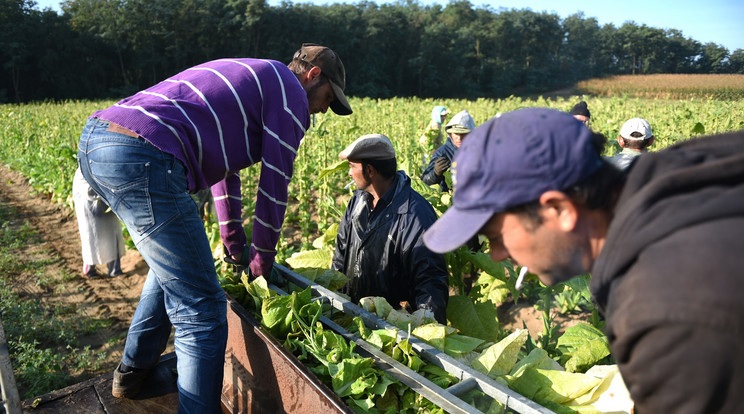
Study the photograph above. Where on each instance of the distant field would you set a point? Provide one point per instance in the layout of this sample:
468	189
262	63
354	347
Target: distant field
724	87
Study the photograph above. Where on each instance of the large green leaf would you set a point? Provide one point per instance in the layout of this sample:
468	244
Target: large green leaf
537	358
339	166
582	346
351	376
473	319
455	344
328	278
499	359
327	237
434	334
490	289
559	387
311	258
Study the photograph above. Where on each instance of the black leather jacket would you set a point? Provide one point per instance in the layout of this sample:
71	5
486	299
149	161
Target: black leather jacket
383	254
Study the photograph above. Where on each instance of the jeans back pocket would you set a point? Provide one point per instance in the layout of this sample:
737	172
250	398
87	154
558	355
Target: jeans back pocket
127	185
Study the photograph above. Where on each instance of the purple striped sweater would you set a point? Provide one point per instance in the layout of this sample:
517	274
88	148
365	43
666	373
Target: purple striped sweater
218	118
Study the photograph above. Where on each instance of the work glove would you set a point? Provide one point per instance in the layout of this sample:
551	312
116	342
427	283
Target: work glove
243	265
441	165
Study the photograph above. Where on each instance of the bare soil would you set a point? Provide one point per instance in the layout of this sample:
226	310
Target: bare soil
101	298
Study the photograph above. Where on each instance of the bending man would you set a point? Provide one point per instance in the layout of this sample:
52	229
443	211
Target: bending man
196	130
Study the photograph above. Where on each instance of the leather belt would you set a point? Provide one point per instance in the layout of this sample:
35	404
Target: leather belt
121	130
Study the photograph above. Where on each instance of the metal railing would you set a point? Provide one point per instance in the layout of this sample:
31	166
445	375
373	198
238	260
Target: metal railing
448	399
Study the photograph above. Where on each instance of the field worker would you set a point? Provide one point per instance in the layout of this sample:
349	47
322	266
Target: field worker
432	137
145	155
581	112
663	244
101	236
635	138
379	245
456	129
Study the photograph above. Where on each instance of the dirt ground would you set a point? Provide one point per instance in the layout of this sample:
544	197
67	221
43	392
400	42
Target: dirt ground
115	298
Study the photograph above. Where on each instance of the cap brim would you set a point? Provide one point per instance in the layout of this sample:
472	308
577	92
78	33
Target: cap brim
340	106
458	130
454	229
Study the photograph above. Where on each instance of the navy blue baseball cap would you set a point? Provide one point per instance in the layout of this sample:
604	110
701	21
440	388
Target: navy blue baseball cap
512	159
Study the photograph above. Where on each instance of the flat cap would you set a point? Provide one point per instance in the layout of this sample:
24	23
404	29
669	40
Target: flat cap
369	147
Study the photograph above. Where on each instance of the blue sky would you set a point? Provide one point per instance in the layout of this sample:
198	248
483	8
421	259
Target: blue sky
717	21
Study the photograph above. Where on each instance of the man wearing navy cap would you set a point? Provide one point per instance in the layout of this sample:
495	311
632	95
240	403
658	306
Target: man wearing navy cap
662	241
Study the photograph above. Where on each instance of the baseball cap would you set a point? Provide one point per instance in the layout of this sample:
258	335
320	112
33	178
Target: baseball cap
511	160
332	67
639	125
369	147
461	123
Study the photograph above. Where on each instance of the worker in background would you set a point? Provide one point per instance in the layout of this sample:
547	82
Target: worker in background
379	245
456	129
635	138
432	137
198	129
101	236
662	241
581	112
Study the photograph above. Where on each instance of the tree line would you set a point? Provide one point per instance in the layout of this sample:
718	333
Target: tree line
112	48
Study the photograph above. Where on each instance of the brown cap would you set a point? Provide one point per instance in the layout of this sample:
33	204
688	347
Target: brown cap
369	147
332	67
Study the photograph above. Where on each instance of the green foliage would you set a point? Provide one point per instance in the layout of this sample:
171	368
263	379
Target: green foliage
39	140
582	346
42	338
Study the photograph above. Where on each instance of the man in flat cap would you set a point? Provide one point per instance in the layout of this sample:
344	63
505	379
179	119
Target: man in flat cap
662	239
196	130
379	244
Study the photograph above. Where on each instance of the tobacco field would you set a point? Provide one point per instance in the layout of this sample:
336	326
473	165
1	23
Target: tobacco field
562	369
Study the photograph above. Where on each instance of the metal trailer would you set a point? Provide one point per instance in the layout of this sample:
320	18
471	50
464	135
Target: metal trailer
262	376
11	401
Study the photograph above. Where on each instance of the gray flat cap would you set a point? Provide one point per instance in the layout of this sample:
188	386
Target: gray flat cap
369	147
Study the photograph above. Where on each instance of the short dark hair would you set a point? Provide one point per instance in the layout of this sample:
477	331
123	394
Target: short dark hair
599	191
637	144
299	67
386	168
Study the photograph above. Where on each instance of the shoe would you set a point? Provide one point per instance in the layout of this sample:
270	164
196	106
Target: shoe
128	384
89	270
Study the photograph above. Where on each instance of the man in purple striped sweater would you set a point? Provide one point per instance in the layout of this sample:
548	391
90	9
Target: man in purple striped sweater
145	155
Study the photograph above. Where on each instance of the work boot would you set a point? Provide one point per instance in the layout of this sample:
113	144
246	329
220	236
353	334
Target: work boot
89	270
128	384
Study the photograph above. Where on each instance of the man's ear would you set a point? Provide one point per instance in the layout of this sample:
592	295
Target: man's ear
312	74
370	170
559	209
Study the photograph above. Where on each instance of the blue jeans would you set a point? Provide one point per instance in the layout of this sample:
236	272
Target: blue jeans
147	189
